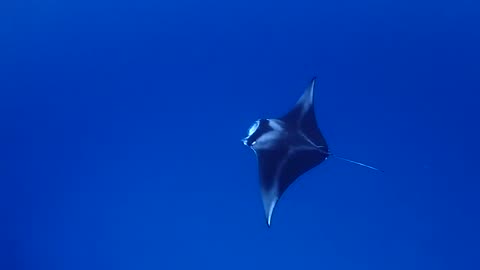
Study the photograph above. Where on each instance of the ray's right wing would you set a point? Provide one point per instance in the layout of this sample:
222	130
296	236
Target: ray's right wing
302	117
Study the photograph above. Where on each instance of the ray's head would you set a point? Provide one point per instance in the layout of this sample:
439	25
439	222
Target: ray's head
256	130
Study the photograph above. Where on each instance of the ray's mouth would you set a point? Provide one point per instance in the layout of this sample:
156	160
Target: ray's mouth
248	142
245	141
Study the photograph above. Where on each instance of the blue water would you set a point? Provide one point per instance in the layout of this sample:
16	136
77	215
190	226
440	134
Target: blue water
120	128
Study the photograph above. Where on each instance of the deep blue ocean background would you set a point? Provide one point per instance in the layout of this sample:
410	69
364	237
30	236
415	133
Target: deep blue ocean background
120	128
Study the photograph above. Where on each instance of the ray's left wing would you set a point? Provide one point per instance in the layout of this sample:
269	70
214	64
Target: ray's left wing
279	168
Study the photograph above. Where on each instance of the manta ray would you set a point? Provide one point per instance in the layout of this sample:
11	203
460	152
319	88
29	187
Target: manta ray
287	147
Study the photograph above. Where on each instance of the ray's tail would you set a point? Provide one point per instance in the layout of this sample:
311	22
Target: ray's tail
349	160
355	162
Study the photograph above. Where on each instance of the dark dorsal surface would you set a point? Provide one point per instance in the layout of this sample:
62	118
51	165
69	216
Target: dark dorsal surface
301	148
288	147
302	117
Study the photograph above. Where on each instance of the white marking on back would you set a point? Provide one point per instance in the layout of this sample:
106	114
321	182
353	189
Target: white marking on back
269	139
309	140
276	124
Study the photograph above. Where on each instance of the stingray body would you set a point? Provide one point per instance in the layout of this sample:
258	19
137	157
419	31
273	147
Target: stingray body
286	148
